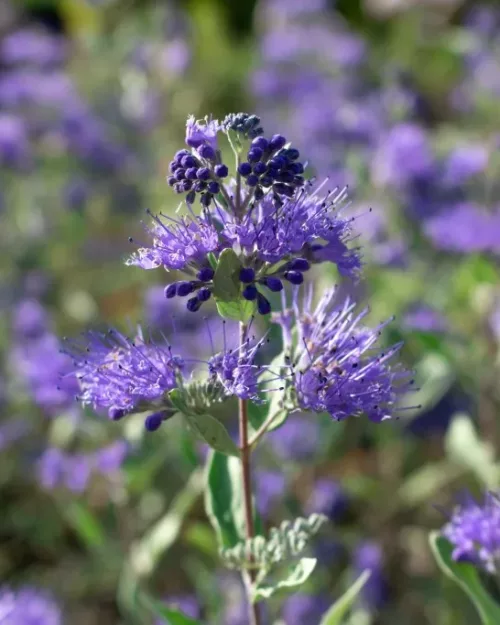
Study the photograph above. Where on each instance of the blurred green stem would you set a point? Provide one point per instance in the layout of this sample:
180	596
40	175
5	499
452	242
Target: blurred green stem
245	452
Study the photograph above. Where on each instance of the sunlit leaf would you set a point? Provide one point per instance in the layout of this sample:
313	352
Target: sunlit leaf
339	609
213	433
295	576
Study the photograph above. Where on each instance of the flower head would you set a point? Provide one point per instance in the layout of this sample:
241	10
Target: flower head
332	362
474	531
199	133
28	606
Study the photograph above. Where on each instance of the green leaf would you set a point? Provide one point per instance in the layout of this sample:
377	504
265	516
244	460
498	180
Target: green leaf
212	260
178	401
171	615
86	524
467	450
146	553
227	286
213	433
338	610
239	309
257	414
467	577
296	575
224	498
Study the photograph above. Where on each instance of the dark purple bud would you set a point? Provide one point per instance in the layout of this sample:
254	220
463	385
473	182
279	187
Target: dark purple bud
259	168
273	284
186	185
252	180
213	187
277	142
295	277
171	180
205	274
200	186
221	171
193	304
190	197
266	181
247	274
153	421
254	155
283	189
259	193
296	168
180	154
299	264
260	142
178	187
180	174
170	290
191	173
245	169
292	154
189	161
263	305
206	199
115	414
204	294
206	151
185	288
285	176
250	292
203	173
278	162
173	166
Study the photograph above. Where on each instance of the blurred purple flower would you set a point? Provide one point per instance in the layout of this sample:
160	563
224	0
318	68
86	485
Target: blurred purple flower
29	320
474	531
464	163
269	488
32	46
368	556
301	608
424	319
187	604
465	228
328	498
14	143
297	439
28	606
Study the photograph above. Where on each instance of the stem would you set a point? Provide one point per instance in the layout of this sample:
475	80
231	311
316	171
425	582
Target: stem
245	451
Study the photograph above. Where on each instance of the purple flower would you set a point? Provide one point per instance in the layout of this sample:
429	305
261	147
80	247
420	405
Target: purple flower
123	375
328	498
187	604
405	155
270	488
368	556
424	319
465	228
57	468
298	439
301	608
464	163
474	531
178	243
31	46
335	366
29	320
14	143
199	133
28	606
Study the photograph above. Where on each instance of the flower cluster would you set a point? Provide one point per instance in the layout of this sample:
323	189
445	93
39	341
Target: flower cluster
332	364
277	229
124	375
474	531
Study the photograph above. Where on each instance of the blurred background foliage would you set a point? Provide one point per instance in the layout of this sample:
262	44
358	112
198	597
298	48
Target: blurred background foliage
399	100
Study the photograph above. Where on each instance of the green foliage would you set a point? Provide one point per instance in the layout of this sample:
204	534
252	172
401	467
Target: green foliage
171	615
337	612
227	289
210	430
467	577
224	498
293	577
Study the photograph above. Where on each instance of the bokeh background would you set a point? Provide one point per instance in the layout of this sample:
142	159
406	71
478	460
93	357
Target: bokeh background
399	100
